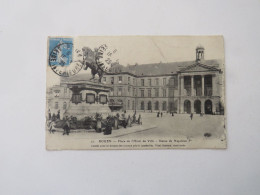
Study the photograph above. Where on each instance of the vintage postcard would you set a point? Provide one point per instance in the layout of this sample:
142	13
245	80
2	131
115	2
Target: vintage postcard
135	92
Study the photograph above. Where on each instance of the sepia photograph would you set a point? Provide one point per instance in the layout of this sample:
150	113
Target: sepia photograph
135	92
130	97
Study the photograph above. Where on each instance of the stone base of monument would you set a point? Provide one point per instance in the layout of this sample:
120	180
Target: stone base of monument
88	98
83	110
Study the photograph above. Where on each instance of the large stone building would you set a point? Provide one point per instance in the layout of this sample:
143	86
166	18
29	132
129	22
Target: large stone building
180	87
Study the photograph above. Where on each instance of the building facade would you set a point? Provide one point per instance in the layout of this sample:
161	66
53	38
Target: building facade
180	87
58	99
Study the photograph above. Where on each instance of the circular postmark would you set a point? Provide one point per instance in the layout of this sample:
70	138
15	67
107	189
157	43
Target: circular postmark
60	60
105	57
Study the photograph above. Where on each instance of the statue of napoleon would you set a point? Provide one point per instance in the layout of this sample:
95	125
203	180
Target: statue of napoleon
90	61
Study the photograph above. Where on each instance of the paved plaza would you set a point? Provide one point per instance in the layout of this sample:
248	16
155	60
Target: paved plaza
181	125
167	126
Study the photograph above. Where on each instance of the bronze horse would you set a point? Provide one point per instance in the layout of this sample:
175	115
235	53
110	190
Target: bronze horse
95	69
89	61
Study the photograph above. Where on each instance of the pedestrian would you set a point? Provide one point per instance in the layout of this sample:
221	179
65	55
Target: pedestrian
124	122
53	118
134	118
66	127
118	115
129	121
191	116
172	114
158	114
51	127
116	121
108	129
49	112
99	125
161	114
58	115
140	120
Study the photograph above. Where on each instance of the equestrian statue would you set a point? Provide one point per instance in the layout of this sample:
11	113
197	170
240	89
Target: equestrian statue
90	61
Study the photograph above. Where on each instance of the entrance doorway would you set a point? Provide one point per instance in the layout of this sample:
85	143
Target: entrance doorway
197	107
149	106
208	107
186	106
156	105
142	105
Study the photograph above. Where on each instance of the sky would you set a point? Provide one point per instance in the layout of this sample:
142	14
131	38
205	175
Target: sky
148	49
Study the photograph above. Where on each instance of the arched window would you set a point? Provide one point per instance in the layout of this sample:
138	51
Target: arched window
156	105
208	107
164	105
187	108
149	106
142	105
197	106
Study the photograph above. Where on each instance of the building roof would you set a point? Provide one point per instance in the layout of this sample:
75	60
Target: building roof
154	69
159	68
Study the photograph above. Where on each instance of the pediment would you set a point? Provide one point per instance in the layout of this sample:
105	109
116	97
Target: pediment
198	68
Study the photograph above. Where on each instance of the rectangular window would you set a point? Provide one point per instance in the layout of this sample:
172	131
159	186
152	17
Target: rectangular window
129	90
103	99
142	82
112	80
119	92
149	93
56	105
150	82
164	92
164	81
156	92
112	92
134	92
128	104
171	92
157	81
64	105
76	98
120	79
142	93
171	82
128	80
90	98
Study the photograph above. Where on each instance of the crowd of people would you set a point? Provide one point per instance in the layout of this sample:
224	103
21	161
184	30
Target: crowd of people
101	124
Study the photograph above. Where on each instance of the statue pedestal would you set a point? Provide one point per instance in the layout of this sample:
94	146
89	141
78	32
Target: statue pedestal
88	98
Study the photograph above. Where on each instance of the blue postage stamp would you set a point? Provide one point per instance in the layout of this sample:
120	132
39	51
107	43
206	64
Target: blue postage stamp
60	51
61	57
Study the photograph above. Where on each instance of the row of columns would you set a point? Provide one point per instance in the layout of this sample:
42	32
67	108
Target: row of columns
192	85
192	106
